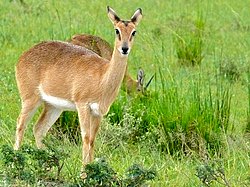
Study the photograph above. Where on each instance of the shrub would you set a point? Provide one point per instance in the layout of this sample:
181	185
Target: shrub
14	163
136	176
42	167
135	115
100	174
32	164
212	172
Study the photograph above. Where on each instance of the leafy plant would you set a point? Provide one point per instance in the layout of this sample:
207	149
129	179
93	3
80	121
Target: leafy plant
31	164
99	173
134	114
136	176
15	165
46	159
211	172
34	166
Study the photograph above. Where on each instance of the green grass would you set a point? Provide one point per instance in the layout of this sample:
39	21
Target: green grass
193	115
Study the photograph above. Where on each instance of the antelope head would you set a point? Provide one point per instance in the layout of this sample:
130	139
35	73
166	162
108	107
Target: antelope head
124	30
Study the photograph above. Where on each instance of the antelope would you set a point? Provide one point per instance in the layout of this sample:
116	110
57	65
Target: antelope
103	49
64	76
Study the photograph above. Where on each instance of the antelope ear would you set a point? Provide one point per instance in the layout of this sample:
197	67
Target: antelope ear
112	15
136	18
140	77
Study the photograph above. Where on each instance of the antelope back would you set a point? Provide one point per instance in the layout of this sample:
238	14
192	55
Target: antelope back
94	43
62	68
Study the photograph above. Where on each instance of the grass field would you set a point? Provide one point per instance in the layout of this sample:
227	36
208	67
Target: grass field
197	111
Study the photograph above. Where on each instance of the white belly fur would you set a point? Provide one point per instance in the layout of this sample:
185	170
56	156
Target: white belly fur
56	101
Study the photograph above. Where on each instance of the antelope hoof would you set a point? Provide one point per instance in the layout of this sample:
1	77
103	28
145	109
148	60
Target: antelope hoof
83	175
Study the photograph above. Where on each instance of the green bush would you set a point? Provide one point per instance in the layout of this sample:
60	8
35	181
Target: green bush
136	176
33	166
14	163
100	174
212	172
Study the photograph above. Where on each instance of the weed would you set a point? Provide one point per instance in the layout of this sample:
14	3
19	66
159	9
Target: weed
211	172
47	159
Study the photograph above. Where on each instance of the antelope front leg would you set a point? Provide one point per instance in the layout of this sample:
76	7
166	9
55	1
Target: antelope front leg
94	126
89	125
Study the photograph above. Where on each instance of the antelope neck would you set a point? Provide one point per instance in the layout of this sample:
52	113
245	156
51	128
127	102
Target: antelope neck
115	73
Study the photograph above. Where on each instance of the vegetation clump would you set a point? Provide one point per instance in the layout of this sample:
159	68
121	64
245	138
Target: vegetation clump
212	172
43	167
189	43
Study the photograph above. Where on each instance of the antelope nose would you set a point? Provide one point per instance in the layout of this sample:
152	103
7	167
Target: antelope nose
125	50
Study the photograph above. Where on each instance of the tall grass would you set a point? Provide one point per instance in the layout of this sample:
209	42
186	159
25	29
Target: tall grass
179	121
189	42
248	112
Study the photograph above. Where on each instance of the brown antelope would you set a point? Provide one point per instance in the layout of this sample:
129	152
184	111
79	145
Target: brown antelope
103	49
64	76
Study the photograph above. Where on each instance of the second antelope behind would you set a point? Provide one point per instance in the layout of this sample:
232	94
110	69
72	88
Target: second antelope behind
64	76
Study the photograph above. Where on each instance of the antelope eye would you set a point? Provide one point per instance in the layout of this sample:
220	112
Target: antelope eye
117	31
133	33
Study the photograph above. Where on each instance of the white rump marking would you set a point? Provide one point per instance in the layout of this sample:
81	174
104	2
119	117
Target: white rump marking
56	101
94	107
